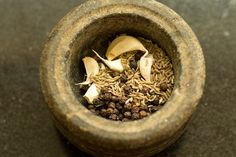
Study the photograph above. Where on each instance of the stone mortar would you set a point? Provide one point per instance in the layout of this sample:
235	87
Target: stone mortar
92	25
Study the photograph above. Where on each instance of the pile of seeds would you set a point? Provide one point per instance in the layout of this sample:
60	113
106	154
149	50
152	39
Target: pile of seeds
126	96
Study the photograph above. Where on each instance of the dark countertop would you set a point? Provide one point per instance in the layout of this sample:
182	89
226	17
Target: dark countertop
26	127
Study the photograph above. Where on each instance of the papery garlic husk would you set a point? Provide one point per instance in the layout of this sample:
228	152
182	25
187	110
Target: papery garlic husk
91	67
145	66
92	93
123	44
115	65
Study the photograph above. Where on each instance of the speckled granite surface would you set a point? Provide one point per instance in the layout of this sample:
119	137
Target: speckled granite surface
26	127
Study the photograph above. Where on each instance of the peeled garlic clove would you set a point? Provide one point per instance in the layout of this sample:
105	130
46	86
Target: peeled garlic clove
115	65
123	44
91	67
92	93
145	66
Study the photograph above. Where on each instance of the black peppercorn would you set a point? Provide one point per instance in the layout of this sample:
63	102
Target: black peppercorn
122	100
112	105
127	89
143	107
133	64
106	102
135	109
110	111
128	106
145	90
119	106
127	114
107	96
163	87
135	116
114	99
103	91
156	101
123	78
153	109
120	116
143	114
116	111
113	117
98	103
150	108
103	112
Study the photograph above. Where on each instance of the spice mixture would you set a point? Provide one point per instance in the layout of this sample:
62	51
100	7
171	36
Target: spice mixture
127	95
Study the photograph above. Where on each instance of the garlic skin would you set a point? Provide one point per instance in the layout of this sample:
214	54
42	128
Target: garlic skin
115	65
91	67
145	66
123	44
92	93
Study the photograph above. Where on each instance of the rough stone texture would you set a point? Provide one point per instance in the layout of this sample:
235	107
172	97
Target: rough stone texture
94	23
26	127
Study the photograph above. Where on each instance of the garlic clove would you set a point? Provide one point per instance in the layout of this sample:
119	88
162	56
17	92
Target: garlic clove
92	93
123	44
145	66
115	65
91	67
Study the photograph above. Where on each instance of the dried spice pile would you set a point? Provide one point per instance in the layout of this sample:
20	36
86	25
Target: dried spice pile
126	95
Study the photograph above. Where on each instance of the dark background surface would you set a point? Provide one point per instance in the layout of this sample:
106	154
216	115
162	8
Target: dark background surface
26	127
